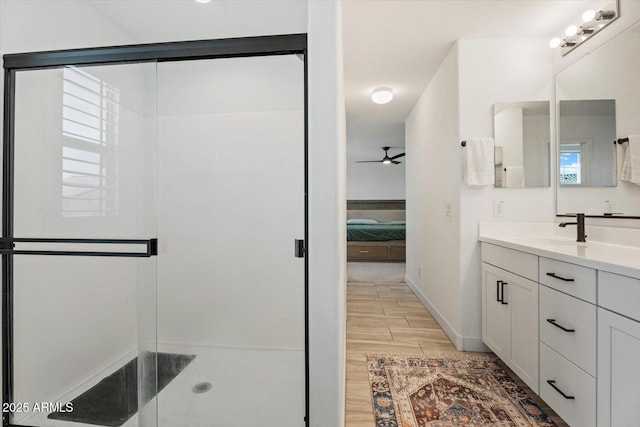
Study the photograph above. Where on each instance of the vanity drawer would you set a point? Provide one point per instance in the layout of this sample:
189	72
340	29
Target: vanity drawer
573	382
368	252
520	263
620	294
569	278
558	311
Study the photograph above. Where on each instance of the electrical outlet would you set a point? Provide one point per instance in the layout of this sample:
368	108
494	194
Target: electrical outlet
498	208
448	210
608	208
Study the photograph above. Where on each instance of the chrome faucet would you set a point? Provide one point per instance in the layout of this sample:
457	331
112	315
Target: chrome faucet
581	237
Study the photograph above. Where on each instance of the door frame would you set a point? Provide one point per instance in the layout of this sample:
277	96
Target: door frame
286	44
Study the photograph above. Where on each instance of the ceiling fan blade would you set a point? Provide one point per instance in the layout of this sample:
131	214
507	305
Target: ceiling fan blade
369	161
397	156
395	162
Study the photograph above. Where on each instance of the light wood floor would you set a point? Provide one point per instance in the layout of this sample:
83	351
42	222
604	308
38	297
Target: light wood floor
389	318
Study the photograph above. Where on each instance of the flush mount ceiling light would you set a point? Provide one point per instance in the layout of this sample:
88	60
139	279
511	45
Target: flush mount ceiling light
382	95
202	1
593	20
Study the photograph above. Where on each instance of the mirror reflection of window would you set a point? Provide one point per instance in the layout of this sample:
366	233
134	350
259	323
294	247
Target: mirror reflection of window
587	129
90	122
570	164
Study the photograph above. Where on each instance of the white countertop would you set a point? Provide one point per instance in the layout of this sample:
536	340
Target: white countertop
542	239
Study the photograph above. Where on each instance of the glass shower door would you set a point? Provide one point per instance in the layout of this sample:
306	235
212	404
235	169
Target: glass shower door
230	206
83	278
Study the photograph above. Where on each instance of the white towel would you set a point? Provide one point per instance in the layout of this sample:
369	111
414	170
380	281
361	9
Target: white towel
631	164
478	169
514	176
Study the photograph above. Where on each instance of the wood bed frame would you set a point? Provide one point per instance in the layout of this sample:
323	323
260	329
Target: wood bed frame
382	211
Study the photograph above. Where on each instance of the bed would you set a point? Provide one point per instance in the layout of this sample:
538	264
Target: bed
376	231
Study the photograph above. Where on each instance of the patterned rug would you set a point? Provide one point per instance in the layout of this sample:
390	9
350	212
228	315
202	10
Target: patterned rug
448	389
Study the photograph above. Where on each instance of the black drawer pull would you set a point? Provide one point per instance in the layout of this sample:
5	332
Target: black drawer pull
555	276
553	322
498	290
552	383
502	288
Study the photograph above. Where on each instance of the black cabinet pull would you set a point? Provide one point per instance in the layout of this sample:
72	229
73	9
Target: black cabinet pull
555	276
502	286
552	383
553	322
498	290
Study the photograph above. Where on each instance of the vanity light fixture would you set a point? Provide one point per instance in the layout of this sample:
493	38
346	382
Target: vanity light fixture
593	20
382	95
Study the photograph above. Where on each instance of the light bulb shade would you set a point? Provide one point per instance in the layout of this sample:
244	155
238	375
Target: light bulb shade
386	161
555	42
382	95
571	31
589	15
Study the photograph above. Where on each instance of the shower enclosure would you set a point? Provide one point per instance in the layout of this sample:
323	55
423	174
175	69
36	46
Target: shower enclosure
154	225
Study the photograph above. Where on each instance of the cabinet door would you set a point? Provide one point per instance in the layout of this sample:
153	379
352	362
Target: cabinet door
495	314
618	370
523	319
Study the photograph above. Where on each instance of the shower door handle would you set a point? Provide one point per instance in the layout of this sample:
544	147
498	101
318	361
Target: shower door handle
299	248
141	248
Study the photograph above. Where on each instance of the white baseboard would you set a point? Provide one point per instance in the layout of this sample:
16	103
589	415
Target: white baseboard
455	337
474	344
461	342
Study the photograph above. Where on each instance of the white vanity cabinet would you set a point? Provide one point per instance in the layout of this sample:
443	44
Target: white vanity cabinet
510	310
618	350
577	319
568	340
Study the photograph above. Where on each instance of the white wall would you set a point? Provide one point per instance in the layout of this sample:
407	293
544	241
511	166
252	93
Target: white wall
458	104
327	216
495	70
537	149
374	181
508	133
433	185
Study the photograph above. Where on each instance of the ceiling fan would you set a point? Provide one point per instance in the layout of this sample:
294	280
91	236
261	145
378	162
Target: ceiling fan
386	159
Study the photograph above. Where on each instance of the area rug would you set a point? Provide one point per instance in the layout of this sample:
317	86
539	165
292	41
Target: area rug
448	389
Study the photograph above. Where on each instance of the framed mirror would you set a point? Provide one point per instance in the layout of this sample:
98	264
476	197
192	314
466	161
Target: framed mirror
522	132
597	105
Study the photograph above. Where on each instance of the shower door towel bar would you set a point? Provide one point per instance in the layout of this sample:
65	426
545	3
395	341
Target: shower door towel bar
7	246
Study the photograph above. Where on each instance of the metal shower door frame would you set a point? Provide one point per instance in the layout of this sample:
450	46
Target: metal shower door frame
286	44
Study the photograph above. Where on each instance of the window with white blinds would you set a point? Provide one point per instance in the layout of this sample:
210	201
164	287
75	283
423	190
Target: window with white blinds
90	123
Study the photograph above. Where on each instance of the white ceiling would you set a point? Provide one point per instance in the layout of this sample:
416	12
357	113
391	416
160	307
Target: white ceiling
401	43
